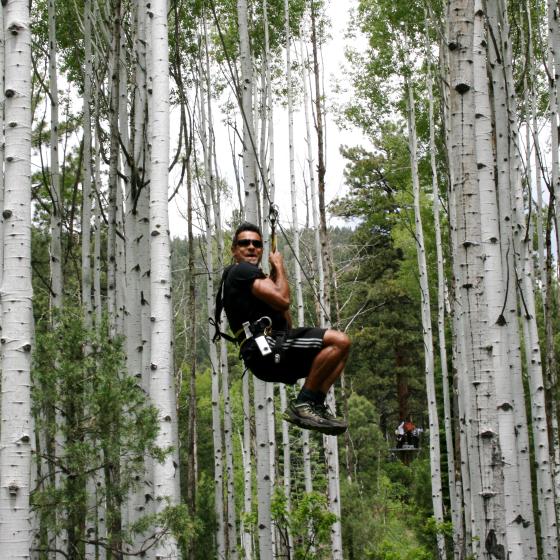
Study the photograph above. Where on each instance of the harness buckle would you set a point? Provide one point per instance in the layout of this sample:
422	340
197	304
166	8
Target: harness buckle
260	339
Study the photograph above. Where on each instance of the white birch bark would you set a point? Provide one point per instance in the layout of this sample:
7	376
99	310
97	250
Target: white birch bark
56	211
2	147
87	171
97	305
485	473
217	436
533	128
252	215
553	59
246	86
162	390
87	199
495	282
55	247
246	536
132	316
321	276
435	466
16	430
460	389
330	442
454	496
519	246
512	230
264	524
124	171
113	175
232	540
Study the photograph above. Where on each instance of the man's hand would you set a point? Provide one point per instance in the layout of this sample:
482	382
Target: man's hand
276	261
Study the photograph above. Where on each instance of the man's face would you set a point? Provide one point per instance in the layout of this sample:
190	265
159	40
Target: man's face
245	248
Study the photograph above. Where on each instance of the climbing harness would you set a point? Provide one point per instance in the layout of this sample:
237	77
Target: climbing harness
256	331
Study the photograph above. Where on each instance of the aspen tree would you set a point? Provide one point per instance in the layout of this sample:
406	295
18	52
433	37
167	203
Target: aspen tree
2	151
54	174
435	466
454	495
113	172
267	192
330	442
246	536
132	169
231	531
532	131
162	390
519	246
297	267
553	61
208	186
494	286
488	528
246	104
55	249
460	387
251	214
87	170
317	239
87	199
16	430
97	306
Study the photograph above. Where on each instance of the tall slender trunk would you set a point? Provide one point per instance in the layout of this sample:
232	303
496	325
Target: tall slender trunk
454	496
321	276
321	167
553	60
162	390
55	192
87	171
16	290
330	443
512	219
113	173
478	403
533	127
435	466
217	436
252	213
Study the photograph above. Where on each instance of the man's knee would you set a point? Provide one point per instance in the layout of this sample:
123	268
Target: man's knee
339	339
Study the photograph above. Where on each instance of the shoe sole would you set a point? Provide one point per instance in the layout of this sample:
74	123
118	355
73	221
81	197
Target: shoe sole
327	430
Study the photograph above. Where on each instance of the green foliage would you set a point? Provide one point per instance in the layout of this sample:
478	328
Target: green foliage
309	522
99	429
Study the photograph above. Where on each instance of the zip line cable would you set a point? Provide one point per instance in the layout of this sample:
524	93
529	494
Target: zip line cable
273	209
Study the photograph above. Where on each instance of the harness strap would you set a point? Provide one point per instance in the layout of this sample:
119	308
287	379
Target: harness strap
219	307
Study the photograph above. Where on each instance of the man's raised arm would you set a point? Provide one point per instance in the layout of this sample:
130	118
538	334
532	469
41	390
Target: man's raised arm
275	289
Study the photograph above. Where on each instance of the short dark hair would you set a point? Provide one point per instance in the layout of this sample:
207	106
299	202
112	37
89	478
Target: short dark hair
245	226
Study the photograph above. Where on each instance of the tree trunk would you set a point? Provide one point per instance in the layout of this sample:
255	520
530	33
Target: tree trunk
486	476
209	185
454	496
55	193
16	291
162	390
246	103
435	466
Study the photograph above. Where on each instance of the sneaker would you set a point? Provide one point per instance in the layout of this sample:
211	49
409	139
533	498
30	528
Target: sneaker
339	426
307	416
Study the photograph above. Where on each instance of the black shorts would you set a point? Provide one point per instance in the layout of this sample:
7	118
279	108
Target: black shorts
297	352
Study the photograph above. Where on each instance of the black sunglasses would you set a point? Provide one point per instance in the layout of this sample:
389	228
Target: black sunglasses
246	242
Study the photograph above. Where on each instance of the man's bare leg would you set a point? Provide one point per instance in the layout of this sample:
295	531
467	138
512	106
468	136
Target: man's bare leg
307	411
329	362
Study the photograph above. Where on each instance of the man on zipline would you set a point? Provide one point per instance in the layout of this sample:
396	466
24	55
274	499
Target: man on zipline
258	310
